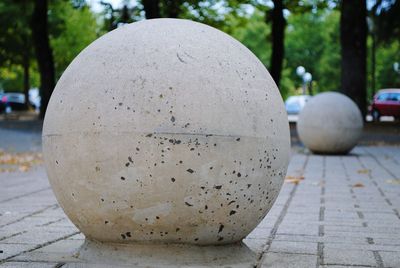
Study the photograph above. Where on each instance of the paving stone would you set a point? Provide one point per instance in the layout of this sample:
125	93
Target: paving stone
259	233
272	259
362	246
352	226
344	266
35	237
390	259
28	265
335	256
257	245
294	247
301	229
9	250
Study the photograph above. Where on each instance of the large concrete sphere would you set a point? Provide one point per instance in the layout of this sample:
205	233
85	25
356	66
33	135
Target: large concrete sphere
330	123
166	131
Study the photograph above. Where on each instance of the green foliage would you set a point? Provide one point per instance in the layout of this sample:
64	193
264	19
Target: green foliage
386	55
311	40
15	43
11	78
77	28
328	69
72	28
254	35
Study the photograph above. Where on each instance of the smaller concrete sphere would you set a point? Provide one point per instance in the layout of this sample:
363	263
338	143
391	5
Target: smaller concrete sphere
330	123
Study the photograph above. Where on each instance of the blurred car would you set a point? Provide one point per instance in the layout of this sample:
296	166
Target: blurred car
294	104
386	102
3	100
16	101
13	101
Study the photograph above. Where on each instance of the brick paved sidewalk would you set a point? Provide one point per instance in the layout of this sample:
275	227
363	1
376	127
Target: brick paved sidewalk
344	213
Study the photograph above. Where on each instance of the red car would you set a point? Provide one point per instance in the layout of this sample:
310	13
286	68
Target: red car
386	103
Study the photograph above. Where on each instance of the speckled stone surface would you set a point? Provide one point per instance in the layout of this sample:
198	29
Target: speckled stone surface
166	131
330	123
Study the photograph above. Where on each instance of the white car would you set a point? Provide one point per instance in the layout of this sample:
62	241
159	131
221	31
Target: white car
16	101
294	104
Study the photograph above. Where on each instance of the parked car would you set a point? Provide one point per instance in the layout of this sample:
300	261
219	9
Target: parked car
13	101
3	100
294	104
16	101
386	102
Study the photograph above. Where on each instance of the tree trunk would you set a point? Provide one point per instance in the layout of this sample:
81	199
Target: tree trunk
278	35
353	39
373	64
152	8
43	51
26	79
173	8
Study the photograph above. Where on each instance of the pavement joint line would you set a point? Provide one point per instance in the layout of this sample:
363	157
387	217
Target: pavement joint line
377	256
27	216
388	201
292	253
50	222
24	195
302	235
321	227
379	163
276	225
39	246
320	254
28	261
9	236
282	214
321	213
349	265
353	196
339	243
378	259
376	184
397	213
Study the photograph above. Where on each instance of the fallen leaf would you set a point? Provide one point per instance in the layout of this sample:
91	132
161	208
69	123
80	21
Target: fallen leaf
363	171
11	162
7	170
359	184
24	168
294	179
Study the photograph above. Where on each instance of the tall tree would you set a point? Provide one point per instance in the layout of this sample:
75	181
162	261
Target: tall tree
43	51
15	41
278	40
172	8
353	40
387	20
71	29
151	9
